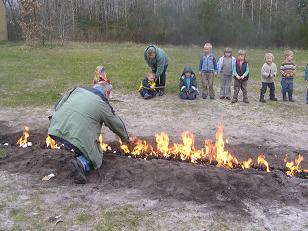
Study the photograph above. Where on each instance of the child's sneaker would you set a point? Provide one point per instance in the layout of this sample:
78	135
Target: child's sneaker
245	101
234	100
273	99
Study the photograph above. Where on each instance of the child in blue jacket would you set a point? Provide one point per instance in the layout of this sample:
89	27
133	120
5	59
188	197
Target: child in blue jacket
188	84
208	71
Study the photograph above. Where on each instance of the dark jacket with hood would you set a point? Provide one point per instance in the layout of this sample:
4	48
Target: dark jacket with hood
192	84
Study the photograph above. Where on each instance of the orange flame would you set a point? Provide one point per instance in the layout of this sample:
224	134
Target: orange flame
23	140
102	145
162	141
124	147
223	157
261	160
51	143
186	150
294	166
247	163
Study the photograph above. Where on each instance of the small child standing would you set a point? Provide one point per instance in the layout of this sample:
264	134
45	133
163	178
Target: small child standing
225	65
188	84
241	76
306	78
288	71
268	73
148	87
208	70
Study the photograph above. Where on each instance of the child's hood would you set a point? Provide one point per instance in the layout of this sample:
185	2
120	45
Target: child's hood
188	69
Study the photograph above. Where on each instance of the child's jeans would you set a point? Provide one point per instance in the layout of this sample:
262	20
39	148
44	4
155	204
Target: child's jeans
287	87
144	91
190	95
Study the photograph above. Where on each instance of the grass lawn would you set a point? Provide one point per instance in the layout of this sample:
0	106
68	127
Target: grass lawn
38	76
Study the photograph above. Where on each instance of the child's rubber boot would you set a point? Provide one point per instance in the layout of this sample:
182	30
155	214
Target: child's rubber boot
290	97
262	100
284	96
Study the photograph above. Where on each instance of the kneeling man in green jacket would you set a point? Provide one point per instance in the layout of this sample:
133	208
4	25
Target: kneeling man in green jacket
77	124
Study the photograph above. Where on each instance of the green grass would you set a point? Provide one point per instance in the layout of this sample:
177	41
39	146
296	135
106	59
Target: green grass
38	76
3	153
124	218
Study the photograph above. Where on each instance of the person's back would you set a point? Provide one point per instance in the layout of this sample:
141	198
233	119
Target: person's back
78	119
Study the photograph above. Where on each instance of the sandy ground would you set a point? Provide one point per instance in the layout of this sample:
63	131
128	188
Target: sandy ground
131	194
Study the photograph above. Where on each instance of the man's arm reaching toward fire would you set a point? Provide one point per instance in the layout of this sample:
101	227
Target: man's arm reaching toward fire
115	124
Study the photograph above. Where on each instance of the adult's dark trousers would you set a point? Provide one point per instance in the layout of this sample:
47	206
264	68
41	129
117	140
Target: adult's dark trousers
161	80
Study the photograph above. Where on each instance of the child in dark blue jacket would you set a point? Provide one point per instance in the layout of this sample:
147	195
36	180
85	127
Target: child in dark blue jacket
148	87
306	78
188	84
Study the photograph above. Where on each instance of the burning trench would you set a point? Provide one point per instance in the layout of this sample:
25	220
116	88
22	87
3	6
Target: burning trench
213	153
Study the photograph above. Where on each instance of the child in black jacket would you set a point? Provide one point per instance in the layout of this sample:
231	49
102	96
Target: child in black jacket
148	87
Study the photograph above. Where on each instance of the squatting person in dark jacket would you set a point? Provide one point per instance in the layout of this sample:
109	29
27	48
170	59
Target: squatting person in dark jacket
78	120
157	60
188	84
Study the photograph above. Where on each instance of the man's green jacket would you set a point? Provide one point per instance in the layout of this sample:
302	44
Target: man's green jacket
78	119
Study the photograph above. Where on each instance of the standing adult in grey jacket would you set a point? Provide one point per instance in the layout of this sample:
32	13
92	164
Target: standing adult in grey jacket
158	61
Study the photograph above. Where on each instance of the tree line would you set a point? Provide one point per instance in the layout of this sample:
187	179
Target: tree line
223	22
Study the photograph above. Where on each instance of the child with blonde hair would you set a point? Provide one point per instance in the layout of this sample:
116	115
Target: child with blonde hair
100	75
225	65
241	76
148	87
288	71
208	70
268	73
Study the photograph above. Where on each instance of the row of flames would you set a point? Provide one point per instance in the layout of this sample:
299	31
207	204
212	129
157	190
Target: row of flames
212	152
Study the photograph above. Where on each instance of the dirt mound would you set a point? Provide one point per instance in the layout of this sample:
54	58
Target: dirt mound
219	187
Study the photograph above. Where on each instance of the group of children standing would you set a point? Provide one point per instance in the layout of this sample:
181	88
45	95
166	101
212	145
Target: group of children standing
228	68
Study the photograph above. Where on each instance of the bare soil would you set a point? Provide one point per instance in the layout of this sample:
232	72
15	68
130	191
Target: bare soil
137	194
